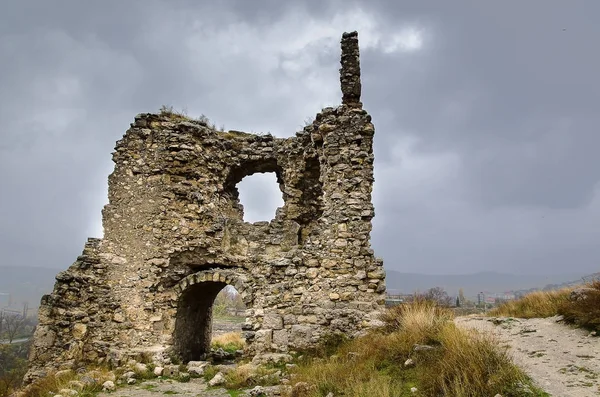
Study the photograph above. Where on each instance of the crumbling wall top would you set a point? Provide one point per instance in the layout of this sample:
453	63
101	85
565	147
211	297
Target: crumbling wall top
350	70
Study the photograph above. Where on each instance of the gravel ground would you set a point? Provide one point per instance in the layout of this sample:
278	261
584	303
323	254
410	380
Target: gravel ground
563	361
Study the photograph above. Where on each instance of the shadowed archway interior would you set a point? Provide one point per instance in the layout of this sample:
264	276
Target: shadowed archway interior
193	324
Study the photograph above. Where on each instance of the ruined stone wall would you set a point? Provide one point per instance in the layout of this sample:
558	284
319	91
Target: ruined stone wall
174	236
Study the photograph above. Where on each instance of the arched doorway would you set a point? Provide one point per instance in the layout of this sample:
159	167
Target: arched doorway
193	324
192	334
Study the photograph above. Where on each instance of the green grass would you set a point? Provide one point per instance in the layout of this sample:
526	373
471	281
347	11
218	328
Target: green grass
209	372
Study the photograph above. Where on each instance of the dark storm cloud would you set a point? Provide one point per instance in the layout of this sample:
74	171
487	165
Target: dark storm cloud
486	115
514	91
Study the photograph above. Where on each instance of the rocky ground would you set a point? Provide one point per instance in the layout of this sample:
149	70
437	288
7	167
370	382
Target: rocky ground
172	380
195	387
156	387
563	361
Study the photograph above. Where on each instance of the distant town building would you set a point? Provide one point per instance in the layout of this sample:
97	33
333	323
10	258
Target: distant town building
396	299
480	298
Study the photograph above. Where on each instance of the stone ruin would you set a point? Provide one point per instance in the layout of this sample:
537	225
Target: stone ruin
174	236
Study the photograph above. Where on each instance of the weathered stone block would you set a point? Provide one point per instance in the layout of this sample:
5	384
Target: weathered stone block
281	337
263	337
272	321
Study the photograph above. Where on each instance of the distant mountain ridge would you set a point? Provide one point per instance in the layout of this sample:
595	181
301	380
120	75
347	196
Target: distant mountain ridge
567	284
28	284
472	284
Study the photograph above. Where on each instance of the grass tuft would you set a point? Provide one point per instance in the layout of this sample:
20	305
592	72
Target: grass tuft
230	342
539	304
583	312
182	115
51	385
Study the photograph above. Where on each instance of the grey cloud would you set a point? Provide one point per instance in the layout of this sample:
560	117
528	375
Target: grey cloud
485	137
498	84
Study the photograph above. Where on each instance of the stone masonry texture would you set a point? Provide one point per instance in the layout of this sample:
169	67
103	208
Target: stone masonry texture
174	236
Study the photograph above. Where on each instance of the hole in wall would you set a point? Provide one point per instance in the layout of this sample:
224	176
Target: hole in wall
260	196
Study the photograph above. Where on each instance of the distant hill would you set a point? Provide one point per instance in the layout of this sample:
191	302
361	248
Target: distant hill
30	283
25	284
472	284
555	286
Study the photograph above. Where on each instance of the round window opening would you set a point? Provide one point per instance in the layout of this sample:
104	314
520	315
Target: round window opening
260	196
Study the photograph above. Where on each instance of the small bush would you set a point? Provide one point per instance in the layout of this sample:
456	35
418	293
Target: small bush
240	377
13	366
586	311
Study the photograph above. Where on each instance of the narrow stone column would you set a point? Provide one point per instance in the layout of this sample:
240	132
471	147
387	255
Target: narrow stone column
350	71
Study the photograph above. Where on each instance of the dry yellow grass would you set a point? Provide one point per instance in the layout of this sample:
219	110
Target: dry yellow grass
248	375
421	316
471	364
461	363
537	304
584	312
230	341
51	384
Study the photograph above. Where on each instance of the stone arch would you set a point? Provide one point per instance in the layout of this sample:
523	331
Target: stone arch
193	318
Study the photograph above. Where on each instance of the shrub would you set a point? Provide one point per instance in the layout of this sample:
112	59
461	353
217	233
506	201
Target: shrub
584	312
13	365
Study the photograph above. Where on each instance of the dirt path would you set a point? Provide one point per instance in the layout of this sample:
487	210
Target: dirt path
155	388
563	361
227	324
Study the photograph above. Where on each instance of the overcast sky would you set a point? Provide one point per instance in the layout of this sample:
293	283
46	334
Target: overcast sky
486	113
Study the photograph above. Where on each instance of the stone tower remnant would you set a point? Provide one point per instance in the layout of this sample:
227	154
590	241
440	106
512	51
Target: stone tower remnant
174	236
